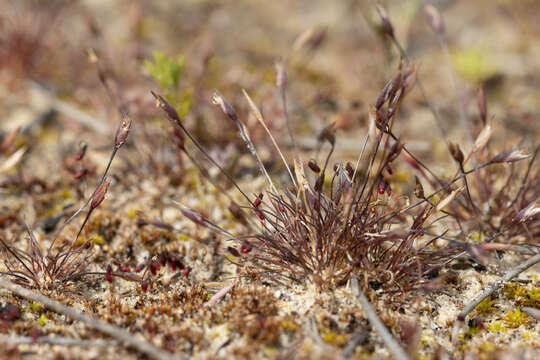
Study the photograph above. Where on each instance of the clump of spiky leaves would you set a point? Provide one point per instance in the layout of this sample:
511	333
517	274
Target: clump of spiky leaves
338	225
59	264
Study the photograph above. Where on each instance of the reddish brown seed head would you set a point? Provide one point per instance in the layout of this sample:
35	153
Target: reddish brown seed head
165	106
226	107
385	21
99	196
312	164
510	156
233	251
456	152
122	132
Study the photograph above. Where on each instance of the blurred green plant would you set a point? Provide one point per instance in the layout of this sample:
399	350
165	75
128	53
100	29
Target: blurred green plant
166	71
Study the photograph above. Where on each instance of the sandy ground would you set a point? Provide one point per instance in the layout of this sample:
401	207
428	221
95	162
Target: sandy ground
53	94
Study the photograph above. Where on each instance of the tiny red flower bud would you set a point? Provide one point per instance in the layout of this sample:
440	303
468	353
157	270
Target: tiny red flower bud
186	271
260	214
154	267
382	187
258	200
108	274
80	174
162	259
246	248
139	268
144	286
82	151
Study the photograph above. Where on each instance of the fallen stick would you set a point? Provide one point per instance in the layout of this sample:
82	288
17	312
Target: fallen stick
393	346
497	284
532	312
113	331
62	341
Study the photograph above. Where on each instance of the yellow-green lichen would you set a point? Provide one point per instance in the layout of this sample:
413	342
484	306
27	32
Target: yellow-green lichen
334	338
98	240
516	318
523	296
496	326
289	325
43	320
486	306
34	306
133	213
478	237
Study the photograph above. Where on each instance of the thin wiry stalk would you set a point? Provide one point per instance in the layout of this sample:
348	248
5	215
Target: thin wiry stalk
260	118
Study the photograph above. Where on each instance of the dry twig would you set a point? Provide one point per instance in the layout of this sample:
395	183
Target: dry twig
393	346
61	341
497	284
532	312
